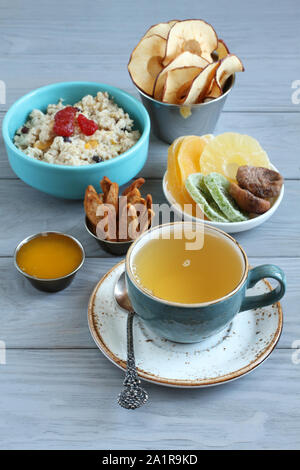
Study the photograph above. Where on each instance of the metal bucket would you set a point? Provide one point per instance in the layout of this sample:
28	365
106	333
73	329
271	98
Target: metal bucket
170	121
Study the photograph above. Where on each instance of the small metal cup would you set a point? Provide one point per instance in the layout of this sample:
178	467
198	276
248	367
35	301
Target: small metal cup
114	248
170	121
49	285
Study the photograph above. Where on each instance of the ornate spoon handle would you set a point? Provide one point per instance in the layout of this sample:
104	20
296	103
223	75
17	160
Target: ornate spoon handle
133	395
131	376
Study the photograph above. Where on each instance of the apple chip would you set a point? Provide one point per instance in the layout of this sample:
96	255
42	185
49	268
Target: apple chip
195	36
222	50
133	222
201	84
91	203
228	66
134	196
146	62
185	59
178	83
112	198
135	184
161	29
214	91
149	201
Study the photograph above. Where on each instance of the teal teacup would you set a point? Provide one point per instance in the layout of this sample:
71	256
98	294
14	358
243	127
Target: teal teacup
191	322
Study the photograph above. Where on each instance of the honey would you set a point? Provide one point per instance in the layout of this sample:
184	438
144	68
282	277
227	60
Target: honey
49	256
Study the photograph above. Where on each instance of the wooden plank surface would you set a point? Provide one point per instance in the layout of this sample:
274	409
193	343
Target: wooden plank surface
249	29
57	390
25	211
254	90
66	399
36	319
283	152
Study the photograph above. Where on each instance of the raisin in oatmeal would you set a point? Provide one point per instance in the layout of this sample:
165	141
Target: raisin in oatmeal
93	130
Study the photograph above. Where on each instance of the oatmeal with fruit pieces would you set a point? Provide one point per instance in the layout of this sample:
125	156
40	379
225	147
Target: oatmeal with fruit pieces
93	130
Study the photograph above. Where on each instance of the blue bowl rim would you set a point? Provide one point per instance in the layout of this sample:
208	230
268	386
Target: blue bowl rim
111	90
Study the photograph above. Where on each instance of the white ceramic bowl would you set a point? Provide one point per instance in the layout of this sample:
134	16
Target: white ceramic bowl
230	227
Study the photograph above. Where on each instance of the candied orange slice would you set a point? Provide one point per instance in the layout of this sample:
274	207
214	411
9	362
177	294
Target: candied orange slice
173	176
228	151
180	166
189	155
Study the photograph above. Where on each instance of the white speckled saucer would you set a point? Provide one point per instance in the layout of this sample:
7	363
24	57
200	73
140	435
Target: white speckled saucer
247	342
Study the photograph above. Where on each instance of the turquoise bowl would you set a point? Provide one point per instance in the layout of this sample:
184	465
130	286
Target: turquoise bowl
70	181
192	323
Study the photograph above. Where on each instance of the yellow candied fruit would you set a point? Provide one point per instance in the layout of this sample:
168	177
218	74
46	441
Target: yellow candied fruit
91	144
227	152
185	111
43	145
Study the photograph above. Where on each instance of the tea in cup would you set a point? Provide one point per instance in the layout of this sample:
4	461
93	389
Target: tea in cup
187	291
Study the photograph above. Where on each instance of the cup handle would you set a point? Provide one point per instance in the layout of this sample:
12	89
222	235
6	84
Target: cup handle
255	275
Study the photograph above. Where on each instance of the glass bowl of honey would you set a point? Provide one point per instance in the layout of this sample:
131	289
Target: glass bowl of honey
49	260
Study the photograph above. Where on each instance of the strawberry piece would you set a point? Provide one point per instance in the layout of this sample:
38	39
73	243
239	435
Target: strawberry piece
88	126
64	121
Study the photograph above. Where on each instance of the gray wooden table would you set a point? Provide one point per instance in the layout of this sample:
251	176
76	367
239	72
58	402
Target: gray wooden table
57	390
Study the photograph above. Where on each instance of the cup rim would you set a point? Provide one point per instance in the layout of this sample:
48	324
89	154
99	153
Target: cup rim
193	106
181	304
31	237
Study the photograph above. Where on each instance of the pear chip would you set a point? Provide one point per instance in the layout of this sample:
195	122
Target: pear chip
186	59
177	84
195	36
165	61
161	29
145	62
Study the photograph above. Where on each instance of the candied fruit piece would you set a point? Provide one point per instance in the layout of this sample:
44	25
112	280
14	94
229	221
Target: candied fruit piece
262	182
87	126
247	201
43	145
190	153
227	152
91	144
218	186
198	191
64	121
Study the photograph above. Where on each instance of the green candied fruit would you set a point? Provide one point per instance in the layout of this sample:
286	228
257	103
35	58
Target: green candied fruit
199	193
218	186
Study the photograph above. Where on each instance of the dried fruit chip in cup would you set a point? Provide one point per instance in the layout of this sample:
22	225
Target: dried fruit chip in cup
145	62
214	91
195	36
176	44
201	84
160	29
218	186
198	191
222	50
177	84
186	59
228	66
228	151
